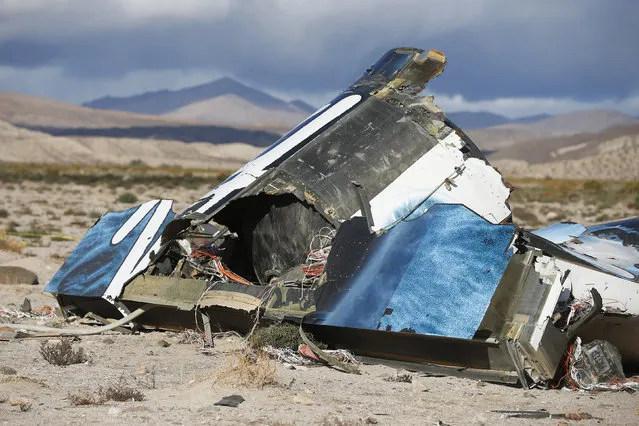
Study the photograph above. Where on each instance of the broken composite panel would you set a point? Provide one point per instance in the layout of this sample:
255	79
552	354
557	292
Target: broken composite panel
380	227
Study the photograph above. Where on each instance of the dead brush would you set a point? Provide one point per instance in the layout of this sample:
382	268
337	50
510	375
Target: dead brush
119	391
84	398
61	353
248	369
10	244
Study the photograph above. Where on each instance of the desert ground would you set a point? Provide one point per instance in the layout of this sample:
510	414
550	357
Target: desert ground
45	212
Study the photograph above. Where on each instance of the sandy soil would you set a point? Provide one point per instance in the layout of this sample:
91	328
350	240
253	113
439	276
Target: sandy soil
179	380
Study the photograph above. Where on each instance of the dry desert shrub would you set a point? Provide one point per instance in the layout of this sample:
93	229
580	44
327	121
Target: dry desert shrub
61	353
278	336
247	369
127	198
85	398
119	391
10	244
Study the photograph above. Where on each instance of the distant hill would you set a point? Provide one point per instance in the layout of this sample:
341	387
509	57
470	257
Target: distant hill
26	110
62	119
303	106
164	101
570	147
476	120
530	119
590	121
610	154
471	120
232	110
224	102
28	146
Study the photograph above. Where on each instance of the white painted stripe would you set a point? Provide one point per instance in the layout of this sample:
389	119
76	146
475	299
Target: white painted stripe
132	222
134	261
257	167
240	181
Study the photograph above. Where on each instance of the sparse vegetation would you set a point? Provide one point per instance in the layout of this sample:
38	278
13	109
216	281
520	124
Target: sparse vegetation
62	353
127	198
74	212
593	192
10	244
112	176
278	335
400	378
248	369
119	391
521	215
284	335
137	163
85	398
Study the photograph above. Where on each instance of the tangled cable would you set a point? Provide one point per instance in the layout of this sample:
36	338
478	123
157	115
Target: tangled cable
317	255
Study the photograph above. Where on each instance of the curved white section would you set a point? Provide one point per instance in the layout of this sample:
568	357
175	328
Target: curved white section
256	167
132	222
478	187
618	294
138	257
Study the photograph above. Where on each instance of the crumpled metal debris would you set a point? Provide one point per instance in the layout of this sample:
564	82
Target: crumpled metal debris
597	366
380	227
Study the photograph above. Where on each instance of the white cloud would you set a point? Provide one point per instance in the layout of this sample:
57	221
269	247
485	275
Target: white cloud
520	107
191	9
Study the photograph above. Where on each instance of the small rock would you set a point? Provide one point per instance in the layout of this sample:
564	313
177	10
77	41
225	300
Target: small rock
163	343
230	401
26	305
304	400
371	420
24	404
17	275
8	370
108	341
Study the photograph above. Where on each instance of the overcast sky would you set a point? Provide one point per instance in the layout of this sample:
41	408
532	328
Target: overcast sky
510	57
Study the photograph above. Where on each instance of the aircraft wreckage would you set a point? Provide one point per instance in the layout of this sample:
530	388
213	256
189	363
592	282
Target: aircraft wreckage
379	226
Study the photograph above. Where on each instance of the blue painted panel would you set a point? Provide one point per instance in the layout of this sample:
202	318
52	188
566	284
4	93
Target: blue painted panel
560	232
434	275
612	247
89	270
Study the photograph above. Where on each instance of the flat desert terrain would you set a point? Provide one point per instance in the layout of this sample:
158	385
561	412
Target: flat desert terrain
45	217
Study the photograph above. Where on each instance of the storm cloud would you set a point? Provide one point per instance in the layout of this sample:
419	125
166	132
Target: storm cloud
582	51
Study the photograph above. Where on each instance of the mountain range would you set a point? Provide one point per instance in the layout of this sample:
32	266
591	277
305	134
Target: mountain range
227	112
224	102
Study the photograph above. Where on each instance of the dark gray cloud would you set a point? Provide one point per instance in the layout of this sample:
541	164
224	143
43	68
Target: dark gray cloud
578	49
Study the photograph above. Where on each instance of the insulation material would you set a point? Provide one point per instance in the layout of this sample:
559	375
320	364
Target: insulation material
434	275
